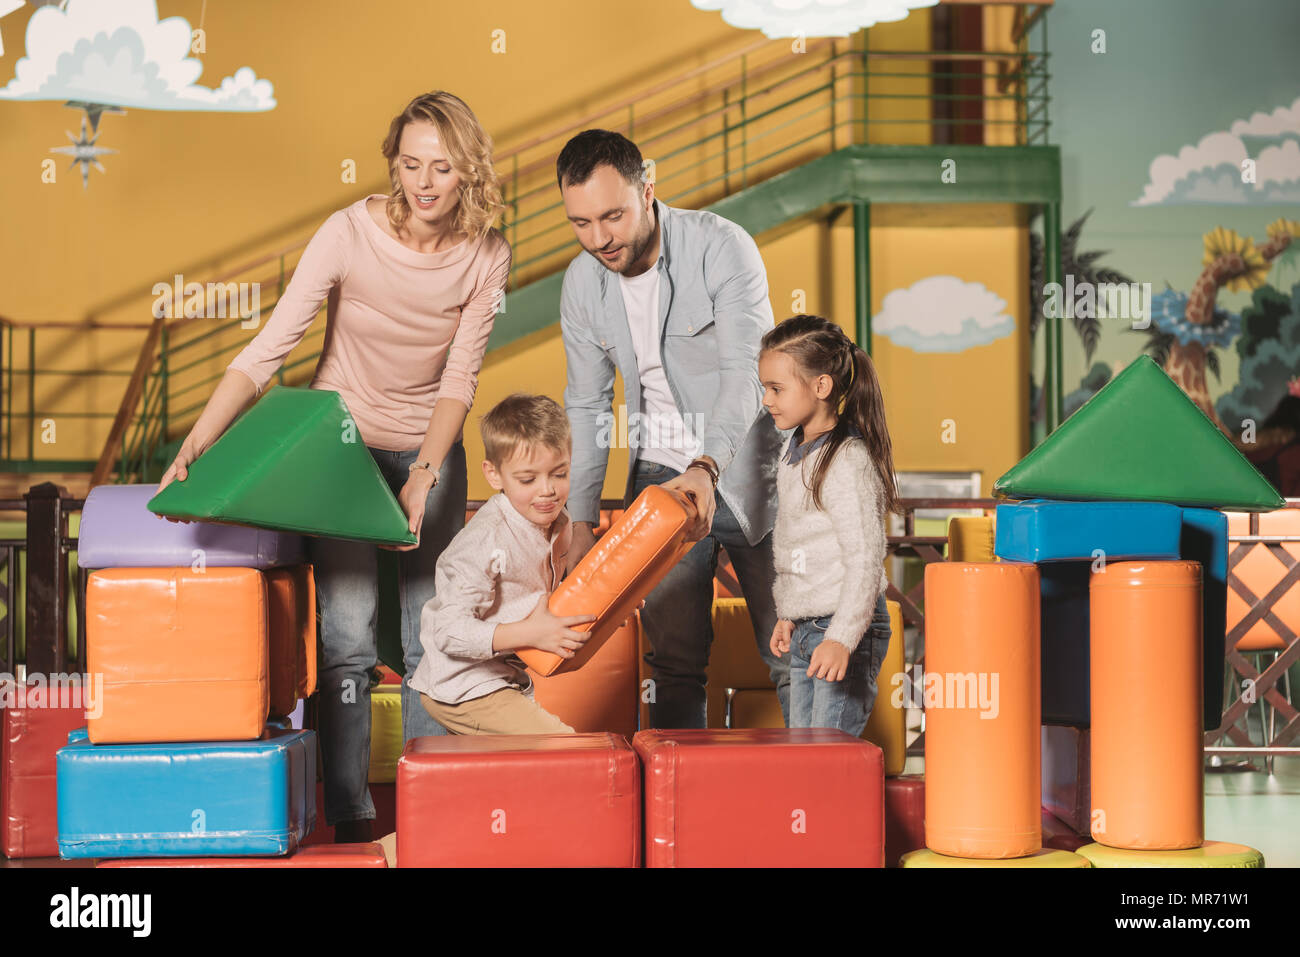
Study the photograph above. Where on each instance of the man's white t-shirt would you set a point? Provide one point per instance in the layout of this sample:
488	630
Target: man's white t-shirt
662	432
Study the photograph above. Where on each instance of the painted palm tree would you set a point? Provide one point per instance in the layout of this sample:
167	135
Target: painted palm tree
1186	329
1084	267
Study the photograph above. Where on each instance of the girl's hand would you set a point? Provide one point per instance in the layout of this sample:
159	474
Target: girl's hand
830	661
780	640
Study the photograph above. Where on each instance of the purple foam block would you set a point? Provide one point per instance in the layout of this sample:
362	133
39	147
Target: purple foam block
118	531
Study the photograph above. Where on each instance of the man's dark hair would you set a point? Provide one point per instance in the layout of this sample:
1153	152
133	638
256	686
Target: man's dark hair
592	148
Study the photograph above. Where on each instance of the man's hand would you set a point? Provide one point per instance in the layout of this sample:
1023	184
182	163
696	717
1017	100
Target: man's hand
830	661
697	486
583	539
412	498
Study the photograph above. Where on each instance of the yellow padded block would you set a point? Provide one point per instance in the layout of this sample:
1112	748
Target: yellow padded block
1044	858
1209	854
385	733
970	538
733	660
887	725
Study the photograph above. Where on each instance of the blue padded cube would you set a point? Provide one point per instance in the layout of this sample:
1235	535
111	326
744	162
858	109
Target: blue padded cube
1043	531
208	798
1205	540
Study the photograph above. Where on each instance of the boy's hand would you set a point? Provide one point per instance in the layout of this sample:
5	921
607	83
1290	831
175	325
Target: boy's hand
830	661
780	641
555	634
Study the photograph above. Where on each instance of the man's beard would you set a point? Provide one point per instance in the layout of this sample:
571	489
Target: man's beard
637	250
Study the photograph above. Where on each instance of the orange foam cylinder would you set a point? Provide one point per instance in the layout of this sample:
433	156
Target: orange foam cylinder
1147	770
982	708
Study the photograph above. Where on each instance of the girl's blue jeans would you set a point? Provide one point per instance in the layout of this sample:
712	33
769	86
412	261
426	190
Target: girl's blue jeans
347	594
845	704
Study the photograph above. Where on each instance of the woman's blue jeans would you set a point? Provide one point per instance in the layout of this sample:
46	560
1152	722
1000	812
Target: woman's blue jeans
845	704
347	593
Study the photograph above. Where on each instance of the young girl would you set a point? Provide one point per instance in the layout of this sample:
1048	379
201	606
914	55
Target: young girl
835	483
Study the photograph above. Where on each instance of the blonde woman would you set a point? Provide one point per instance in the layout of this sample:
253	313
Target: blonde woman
413	280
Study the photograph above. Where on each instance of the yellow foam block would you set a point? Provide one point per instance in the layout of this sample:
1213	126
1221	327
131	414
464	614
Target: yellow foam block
970	538
734	661
385	733
887	726
1044	858
1209	854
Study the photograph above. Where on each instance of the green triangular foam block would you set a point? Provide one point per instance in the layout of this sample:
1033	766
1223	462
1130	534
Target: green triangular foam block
1140	439
294	462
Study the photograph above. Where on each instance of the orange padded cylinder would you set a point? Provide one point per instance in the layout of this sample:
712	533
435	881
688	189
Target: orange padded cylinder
183	654
1147	771
982	700
291	636
603	695
624	566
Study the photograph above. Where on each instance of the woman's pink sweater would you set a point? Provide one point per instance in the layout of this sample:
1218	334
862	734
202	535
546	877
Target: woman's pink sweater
403	328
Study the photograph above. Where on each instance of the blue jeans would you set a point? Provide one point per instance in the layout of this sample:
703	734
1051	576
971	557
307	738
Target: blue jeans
678	614
347	592
844	704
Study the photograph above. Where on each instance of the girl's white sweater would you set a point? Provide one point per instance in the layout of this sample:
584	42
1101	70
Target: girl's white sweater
830	561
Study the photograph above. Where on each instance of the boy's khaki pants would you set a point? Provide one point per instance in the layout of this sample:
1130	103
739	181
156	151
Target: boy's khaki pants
504	711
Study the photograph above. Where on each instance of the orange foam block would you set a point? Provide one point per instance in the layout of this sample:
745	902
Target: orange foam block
183	654
624	565
1147	763
291	636
983	704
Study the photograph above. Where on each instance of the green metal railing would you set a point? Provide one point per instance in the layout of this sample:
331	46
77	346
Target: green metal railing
711	131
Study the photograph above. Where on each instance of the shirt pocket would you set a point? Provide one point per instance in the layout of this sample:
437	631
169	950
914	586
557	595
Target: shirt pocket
689	322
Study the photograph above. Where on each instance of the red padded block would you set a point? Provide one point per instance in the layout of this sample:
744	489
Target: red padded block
1067	775
382	796
526	800
322	855
904	816
762	797
1058	836
28	796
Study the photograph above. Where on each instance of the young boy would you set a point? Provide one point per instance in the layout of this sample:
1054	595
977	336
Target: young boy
494	580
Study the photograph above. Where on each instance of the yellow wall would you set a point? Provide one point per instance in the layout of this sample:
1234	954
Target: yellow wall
983	390
196	193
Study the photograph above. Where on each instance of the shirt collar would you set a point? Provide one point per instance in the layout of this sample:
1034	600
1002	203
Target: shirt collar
795	452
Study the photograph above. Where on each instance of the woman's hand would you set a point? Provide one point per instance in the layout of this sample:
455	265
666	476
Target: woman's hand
830	661
412	498
780	641
179	471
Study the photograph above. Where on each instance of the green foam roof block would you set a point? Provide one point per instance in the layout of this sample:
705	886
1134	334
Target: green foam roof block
1140	439
294	462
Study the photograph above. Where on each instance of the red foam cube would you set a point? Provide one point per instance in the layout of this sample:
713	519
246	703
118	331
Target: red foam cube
762	797
528	800
28	796
904	816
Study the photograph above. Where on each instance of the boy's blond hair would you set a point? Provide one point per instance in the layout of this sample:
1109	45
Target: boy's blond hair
523	421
